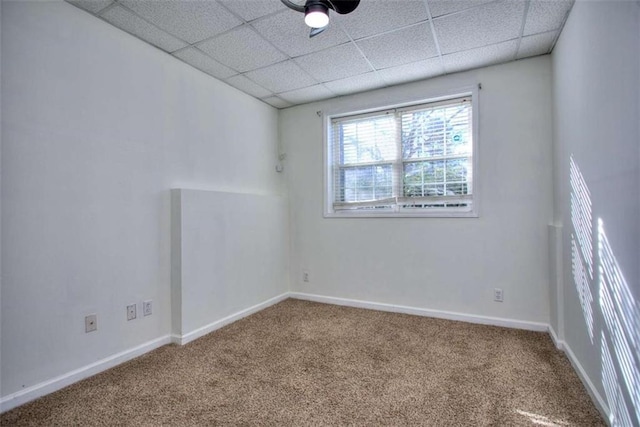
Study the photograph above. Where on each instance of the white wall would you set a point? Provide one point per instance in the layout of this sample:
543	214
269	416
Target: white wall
0	188
431	263
97	126
596	70
231	251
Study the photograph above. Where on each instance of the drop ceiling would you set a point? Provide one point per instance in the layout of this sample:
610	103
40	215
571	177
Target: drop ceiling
263	48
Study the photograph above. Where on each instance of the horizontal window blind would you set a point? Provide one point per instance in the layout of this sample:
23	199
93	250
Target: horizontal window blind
414	158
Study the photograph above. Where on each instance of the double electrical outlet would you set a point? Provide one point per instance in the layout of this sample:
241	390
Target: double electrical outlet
147	309
91	320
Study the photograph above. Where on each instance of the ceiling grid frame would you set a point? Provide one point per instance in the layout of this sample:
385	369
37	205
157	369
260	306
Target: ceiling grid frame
548	20
527	3
435	36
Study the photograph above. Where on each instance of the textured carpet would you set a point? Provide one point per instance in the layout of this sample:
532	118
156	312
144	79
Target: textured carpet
302	363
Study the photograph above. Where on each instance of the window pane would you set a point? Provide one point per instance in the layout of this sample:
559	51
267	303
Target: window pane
383	181
414	190
458	169
411	153
422	134
424	172
437	178
437	132
459	130
368	140
433	171
434	190
457	189
365	183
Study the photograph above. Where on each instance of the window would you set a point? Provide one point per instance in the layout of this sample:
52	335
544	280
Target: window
415	160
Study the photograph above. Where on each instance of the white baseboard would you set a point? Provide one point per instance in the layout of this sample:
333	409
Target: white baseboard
31	393
596	398
23	396
200	332
440	314
495	321
554	337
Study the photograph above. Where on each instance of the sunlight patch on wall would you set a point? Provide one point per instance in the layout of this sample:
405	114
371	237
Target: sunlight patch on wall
622	319
612	278
618	412
581	216
582	243
581	281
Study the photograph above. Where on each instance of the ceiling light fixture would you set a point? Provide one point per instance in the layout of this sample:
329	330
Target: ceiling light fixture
316	14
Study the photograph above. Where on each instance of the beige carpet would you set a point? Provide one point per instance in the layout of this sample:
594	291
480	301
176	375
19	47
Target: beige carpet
302	363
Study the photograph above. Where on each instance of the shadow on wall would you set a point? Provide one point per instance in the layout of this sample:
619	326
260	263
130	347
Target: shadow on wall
620	335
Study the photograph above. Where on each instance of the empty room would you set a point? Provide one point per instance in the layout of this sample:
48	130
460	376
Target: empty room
320	212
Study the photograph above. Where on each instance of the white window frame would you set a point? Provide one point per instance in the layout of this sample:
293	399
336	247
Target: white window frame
328	177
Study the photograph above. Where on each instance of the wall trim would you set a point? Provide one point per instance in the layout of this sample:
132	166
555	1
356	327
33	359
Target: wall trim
49	386
46	387
204	330
600	403
554	337
561	345
559	269
440	314
596	398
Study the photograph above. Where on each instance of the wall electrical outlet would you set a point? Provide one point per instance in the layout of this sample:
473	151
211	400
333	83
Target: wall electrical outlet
498	295
305	276
91	323
147	307
131	312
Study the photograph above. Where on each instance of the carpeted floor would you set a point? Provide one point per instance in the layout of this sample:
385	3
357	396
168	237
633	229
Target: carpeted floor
301	363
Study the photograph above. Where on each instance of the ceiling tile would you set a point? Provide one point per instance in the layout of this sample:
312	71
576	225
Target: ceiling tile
290	34
334	63
546	15
399	47
131	23
191	21
252	9
359	83
201	61
263	48
242	49
274	101
411	72
536	45
480	57
481	26
281	77
445	7
247	86
93	6
377	16
307	94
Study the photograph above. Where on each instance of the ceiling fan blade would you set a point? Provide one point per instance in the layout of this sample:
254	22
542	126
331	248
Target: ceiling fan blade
292	5
315	31
343	6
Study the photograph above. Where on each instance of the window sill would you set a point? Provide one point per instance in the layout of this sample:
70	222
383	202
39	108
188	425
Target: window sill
388	214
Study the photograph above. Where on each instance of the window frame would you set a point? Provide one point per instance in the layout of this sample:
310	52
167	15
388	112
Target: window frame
328	210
